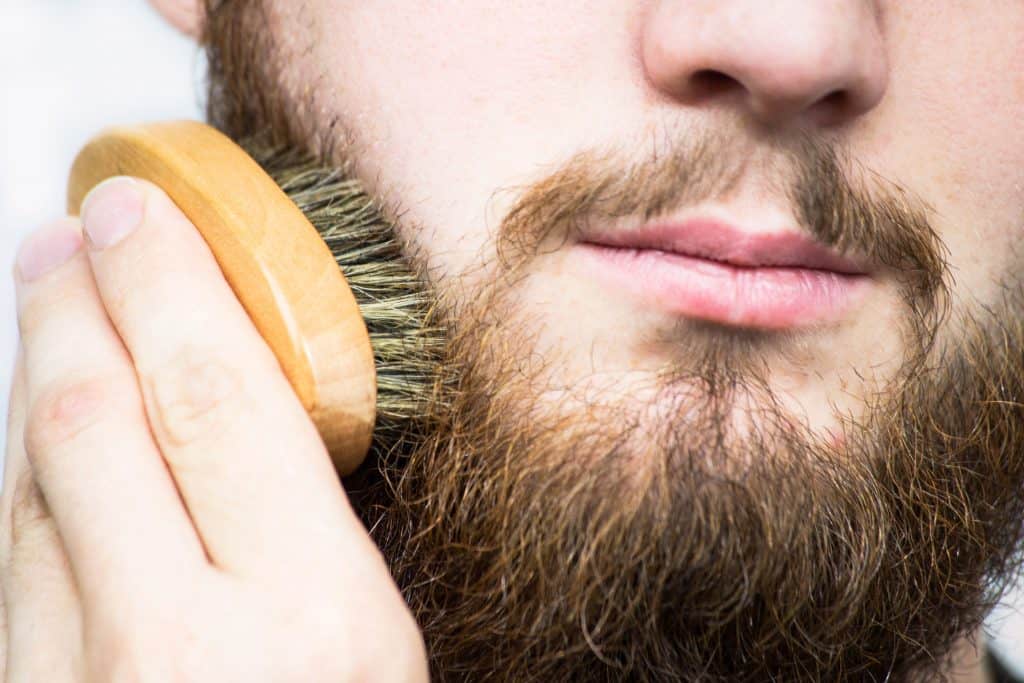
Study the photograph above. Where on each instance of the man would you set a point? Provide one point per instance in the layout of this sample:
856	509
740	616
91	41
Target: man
734	299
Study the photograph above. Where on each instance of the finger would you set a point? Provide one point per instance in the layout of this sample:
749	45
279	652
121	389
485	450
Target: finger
87	441
248	461
14	451
13	441
41	608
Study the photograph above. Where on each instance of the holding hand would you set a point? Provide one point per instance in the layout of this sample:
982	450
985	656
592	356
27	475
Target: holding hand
169	511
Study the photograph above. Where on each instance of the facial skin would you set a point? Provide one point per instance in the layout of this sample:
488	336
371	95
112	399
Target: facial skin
446	107
455	114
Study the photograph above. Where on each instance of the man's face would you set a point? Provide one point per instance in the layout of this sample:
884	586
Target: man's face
737	286
452	107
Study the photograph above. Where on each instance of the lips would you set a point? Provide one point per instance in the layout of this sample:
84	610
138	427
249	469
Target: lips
712	271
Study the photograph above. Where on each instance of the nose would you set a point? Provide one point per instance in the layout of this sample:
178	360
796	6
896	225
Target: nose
782	60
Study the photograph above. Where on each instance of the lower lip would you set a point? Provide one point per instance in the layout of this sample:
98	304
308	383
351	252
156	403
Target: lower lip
760	297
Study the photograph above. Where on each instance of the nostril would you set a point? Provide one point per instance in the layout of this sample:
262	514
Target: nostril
832	107
837	99
708	82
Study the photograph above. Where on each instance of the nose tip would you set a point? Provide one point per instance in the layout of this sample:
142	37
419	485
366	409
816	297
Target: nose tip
777	64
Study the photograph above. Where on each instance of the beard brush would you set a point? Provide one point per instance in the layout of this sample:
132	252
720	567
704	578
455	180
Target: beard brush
319	271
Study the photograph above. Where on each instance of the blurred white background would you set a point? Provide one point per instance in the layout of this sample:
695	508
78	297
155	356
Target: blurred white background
68	68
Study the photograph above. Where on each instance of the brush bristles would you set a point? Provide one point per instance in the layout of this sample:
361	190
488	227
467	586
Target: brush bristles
393	300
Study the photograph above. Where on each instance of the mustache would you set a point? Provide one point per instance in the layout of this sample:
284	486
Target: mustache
870	216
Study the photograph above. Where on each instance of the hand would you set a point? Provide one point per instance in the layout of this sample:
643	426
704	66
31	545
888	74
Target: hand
169	512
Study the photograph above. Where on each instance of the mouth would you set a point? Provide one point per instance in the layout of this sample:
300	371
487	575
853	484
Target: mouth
709	270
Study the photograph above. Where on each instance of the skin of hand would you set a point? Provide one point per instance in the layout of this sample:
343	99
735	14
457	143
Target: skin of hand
169	512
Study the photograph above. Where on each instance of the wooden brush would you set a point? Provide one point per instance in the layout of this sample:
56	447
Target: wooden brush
319	271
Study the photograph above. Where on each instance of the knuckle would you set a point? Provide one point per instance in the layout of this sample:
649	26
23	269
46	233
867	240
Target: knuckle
195	397
62	412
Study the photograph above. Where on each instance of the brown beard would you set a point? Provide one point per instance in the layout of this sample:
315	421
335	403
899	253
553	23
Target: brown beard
607	544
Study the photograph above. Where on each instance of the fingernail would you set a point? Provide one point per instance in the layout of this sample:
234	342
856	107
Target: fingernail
111	211
48	248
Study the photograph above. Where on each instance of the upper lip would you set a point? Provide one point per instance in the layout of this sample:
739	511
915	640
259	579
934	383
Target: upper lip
715	240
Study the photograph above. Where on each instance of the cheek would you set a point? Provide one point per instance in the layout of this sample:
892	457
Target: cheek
451	101
950	131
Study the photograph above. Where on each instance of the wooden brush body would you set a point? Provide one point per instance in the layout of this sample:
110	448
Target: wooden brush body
274	259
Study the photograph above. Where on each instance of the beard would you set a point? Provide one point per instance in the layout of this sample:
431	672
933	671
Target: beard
698	531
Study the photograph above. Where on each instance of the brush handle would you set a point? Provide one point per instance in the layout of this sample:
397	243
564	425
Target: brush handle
270	254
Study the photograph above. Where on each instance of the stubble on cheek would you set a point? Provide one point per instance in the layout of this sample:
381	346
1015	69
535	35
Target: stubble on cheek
596	537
